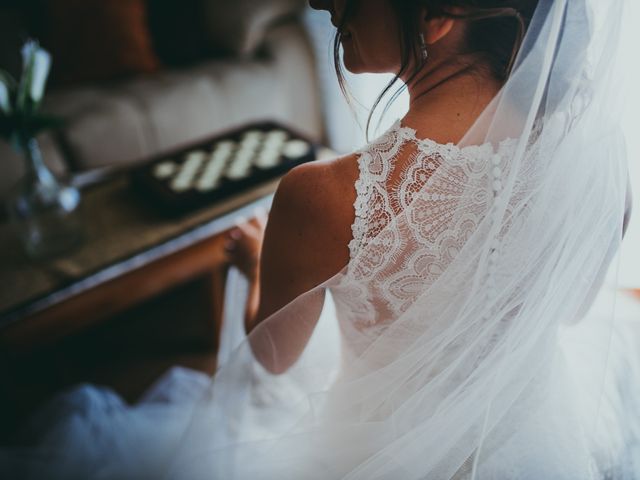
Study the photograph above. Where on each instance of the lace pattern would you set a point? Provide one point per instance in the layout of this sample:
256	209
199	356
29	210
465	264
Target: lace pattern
374	270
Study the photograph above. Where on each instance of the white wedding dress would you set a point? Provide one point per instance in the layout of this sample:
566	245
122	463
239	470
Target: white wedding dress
466	337
89	432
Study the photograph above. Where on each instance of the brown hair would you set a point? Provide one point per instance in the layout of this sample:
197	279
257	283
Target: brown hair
495	33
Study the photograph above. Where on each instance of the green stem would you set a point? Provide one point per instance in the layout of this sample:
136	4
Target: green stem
36	167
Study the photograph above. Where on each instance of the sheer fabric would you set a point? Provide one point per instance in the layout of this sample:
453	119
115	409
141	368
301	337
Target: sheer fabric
456	342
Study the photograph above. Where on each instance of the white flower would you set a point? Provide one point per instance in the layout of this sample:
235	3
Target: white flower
5	106
37	63
41	67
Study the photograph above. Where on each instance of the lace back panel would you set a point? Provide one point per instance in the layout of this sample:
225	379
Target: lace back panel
393	169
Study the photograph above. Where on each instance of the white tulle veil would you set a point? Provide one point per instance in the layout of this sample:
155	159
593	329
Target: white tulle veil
471	380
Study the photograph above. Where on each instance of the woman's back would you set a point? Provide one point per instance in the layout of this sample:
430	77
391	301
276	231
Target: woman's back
454	277
316	221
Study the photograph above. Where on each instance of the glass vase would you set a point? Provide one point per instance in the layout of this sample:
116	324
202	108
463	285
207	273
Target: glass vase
44	210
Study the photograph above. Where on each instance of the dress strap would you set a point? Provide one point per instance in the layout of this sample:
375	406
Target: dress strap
374	164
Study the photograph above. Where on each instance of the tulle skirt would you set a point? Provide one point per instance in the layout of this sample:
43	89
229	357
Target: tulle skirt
90	432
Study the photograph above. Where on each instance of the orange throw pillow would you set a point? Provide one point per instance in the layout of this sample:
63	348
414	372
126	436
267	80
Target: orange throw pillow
99	40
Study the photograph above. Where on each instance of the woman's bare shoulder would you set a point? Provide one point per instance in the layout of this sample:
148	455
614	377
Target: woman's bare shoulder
321	184
318	197
308	232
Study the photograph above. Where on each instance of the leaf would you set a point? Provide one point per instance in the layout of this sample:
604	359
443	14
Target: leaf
23	101
5	103
39	74
8	80
7	87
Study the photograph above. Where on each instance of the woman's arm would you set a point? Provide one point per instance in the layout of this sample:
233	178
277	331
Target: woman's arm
243	246
305	243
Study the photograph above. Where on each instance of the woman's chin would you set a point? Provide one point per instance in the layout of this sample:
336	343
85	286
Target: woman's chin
353	65
355	69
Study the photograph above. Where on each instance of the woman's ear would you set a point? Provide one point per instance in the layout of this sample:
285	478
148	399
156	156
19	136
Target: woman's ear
435	29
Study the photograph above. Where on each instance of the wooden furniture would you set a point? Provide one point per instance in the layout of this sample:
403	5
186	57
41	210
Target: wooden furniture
142	293
132	286
131	254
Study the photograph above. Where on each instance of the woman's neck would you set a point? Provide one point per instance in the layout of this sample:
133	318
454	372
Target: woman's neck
445	101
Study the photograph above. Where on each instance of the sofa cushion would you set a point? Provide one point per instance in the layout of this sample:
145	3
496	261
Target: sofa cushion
99	40
104	125
132	120
239	27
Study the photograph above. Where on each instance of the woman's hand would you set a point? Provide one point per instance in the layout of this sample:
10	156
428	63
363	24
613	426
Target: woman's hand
243	244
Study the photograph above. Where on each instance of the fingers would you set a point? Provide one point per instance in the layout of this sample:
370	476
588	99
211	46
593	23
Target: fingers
247	229
229	244
240	235
243	242
243	250
253	227
258	223
259	219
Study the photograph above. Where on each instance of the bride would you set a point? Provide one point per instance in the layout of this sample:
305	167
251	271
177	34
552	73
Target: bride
419	309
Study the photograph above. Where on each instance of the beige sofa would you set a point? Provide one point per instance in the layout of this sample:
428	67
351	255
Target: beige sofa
131	120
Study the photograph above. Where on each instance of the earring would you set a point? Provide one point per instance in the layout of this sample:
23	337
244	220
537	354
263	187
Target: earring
423	48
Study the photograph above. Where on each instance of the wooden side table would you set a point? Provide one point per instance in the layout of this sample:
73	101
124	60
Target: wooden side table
54	315
131	254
